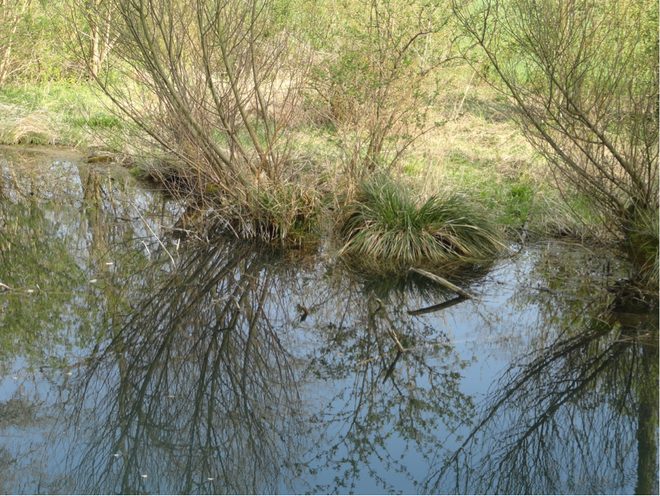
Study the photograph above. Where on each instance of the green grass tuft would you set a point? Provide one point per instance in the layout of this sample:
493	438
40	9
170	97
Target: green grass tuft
387	230
645	243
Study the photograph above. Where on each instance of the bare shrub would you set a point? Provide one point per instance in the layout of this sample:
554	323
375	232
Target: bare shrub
377	79
213	84
584	78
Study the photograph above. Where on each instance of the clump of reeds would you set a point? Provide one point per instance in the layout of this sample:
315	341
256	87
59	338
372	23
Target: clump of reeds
286	213
386	229
644	241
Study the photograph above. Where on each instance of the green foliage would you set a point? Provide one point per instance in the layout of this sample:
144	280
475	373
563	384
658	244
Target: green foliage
97	121
520	197
36	263
644	244
41	48
387	230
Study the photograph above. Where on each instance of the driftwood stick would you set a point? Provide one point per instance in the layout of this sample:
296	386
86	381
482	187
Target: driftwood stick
443	282
393	335
437	307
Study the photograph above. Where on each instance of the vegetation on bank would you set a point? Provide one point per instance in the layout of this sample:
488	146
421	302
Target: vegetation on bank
275	118
387	230
64	113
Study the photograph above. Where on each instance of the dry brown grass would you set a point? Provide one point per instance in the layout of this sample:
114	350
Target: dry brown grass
20	127
476	136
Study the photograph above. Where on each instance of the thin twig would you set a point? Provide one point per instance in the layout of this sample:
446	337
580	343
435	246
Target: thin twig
146	224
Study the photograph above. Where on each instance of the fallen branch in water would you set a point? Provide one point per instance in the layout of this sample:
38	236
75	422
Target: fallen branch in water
443	282
394	337
438	307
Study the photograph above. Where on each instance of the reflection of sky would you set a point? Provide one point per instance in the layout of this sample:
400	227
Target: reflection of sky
477	340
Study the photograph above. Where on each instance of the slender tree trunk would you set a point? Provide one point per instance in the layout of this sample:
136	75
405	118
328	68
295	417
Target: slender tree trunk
95	51
647	426
11	23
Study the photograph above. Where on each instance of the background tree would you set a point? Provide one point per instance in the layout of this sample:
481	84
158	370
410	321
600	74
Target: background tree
376	76
12	13
92	22
584	79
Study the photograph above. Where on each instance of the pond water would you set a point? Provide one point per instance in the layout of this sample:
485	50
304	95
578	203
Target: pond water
134	359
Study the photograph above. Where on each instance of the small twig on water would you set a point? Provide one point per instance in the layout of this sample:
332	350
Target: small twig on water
146	224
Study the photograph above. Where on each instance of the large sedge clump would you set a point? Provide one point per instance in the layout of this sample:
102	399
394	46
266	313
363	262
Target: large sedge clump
387	230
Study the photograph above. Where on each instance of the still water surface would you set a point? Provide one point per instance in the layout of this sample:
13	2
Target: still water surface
136	359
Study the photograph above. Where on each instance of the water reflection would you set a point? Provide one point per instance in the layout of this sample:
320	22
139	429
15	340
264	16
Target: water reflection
69	236
133	362
400	393
578	413
212	375
195	391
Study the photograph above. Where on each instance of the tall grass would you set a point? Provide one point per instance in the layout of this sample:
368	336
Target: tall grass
644	243
387	230
283	213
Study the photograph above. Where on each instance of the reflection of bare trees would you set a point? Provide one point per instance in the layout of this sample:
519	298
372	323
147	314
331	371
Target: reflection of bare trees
227	371
195	391
200	389
570	419
192	373
397	391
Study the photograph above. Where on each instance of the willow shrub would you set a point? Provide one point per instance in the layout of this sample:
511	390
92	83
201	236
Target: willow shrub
583	76
386	229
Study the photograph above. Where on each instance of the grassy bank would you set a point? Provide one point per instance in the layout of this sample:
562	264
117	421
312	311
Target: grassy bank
73	114
478	152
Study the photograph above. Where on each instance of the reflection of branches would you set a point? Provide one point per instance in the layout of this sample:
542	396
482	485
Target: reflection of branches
197	382
397	380
198	377
565	421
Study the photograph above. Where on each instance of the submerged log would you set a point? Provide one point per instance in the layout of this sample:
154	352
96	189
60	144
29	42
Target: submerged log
437	307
